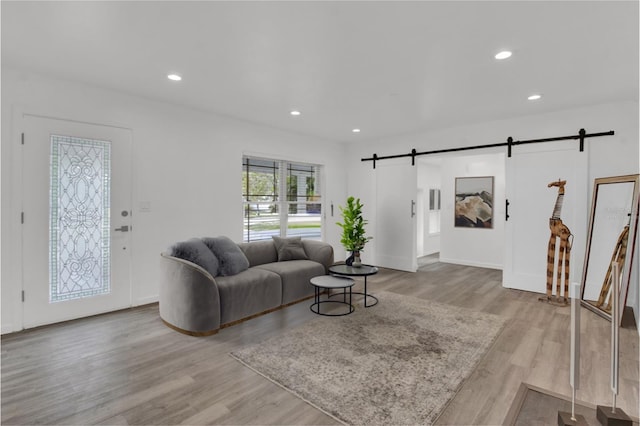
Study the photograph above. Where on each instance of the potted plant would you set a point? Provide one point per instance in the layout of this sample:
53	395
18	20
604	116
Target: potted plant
353	233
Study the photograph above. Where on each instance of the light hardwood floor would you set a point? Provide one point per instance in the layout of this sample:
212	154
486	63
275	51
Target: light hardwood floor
129	368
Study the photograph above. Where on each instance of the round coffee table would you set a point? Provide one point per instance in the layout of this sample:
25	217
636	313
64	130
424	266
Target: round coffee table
329	282
343	270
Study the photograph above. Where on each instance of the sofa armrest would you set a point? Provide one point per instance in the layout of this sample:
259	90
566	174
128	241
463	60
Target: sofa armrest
189	297
320	252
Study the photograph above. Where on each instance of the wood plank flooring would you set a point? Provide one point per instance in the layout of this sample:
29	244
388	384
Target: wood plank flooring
129	368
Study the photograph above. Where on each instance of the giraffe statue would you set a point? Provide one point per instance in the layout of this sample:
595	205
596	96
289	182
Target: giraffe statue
619	255
558	231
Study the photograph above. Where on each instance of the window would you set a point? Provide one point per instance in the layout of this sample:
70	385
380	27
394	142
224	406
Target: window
280	198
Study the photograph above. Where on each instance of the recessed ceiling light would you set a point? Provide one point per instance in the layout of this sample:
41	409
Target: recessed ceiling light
356	130
295	112
503	55
534	97
174	77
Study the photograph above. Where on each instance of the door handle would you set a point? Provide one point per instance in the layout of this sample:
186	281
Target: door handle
506	210
413	208
123	228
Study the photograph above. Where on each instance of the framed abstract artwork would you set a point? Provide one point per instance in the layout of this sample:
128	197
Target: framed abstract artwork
474	202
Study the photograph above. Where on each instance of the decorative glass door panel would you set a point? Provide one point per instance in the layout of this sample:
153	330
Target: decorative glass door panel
79	242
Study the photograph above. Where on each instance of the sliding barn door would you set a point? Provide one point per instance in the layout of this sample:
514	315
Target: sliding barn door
531	202
396	215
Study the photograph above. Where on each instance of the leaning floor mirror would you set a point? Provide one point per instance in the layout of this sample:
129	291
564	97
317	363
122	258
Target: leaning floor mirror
612	238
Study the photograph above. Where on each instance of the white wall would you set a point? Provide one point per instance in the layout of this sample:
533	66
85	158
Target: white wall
187	168
473	246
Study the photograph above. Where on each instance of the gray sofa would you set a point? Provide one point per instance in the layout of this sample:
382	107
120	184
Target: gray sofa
211	283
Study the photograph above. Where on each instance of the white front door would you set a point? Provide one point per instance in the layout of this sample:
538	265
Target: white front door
396	213
77	219
531	204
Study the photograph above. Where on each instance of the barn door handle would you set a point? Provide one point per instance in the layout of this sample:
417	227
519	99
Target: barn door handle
124	228
413	208
506	210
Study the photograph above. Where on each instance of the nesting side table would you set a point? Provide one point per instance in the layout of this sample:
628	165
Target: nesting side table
330	282
343	270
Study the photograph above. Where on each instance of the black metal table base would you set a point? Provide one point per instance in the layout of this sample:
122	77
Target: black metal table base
318	302
365	294
362	294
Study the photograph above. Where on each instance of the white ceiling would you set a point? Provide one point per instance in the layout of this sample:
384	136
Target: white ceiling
388	68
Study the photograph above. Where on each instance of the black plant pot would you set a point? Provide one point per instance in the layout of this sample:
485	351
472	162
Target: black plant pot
354	259
349	260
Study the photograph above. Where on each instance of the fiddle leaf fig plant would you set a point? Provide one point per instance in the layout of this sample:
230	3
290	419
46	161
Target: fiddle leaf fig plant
353	233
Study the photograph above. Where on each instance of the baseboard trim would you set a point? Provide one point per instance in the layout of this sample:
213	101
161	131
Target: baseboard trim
60	323
146	300
471	263
7	329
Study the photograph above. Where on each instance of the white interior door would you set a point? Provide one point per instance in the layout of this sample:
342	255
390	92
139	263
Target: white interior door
530	169
396	215
77	217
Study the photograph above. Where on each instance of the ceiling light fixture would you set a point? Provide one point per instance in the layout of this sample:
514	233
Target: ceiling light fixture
295	112
174	77
356	130
503	55
534	97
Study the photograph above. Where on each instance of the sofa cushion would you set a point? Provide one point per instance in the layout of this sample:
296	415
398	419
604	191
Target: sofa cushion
259	252
195	251
248	293
295	276
290	249
232	259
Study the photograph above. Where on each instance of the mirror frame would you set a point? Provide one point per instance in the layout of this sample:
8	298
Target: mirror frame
631	245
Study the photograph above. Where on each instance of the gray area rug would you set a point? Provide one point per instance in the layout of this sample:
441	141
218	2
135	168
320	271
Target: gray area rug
399	362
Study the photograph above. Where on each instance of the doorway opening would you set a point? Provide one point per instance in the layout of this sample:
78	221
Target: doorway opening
429	204
439	235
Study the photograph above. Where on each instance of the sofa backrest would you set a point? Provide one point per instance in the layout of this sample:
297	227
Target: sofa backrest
320	252
259	252
262	252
